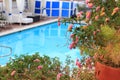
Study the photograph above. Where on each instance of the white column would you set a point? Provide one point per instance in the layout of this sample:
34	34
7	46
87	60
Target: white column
60	9
69	8
50	8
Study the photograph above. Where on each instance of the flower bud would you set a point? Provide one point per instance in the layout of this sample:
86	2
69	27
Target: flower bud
96	18
90	5
98	8
36	60
13	73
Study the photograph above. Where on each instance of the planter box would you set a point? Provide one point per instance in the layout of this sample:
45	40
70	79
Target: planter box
103	72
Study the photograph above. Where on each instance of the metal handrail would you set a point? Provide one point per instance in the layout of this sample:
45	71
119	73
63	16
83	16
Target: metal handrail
8	48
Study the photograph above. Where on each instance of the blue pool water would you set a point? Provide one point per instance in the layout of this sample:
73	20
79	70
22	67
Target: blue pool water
47	39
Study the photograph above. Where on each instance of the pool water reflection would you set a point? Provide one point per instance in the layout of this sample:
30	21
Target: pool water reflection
50	39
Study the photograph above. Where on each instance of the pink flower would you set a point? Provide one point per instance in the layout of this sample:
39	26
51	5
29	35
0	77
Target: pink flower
90	5
96	17
87	1
58	76
78	15
58	23
88	15
77	40
36	60
88	60
90	66
70	27
72	35
39	67
98	30
13	73
78	63
72	45
94	32
98	8
81	12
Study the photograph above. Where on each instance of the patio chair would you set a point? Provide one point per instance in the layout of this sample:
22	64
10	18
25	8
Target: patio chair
3	23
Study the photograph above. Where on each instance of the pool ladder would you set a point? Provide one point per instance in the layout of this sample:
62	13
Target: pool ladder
6	47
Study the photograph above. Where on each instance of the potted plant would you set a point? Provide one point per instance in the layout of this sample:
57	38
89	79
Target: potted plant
99	38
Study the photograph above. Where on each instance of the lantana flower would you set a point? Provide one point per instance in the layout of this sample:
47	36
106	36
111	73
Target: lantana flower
97	8
88	15
78	63
59	76
90	5
70	27
39	67
115	10
72	45
97	17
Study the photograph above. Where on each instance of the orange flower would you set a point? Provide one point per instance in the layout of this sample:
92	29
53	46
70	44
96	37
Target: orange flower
102	14
103	9
85	27
115	10
107	19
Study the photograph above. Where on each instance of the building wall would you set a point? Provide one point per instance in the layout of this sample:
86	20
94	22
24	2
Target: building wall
57	8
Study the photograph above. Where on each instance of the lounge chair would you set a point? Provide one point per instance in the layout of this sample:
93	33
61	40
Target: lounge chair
20	19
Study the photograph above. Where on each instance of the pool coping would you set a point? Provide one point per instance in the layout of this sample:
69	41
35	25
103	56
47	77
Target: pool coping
25	27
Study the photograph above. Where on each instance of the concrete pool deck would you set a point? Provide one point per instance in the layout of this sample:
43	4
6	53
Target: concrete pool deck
12	28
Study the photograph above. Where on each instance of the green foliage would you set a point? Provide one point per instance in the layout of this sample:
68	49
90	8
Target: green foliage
107	33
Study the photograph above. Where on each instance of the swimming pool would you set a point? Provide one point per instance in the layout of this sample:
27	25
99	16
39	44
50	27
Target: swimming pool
49	39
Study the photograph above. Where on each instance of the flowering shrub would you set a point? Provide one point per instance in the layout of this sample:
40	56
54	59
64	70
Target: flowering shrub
100	35
35	67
